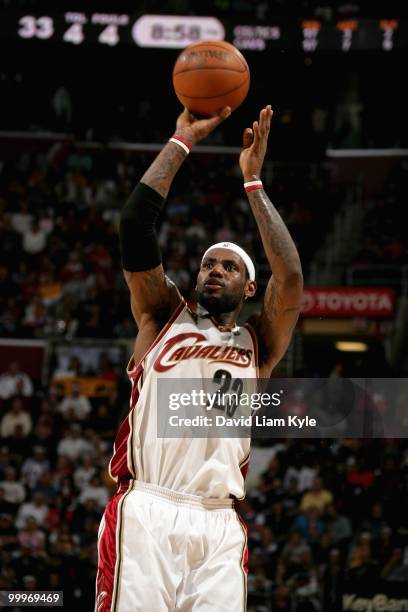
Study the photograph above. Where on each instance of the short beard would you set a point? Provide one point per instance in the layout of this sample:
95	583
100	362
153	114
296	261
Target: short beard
219	305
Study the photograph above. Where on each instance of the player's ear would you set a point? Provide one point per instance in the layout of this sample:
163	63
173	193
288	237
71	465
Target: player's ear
250	289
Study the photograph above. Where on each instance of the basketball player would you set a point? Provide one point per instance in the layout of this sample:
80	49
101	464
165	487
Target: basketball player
170	538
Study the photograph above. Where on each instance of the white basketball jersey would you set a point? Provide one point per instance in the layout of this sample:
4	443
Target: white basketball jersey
188	347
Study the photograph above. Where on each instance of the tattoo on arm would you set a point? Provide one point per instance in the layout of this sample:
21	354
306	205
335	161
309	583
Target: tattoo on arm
283	294
162	171
153	295
279	247
275	302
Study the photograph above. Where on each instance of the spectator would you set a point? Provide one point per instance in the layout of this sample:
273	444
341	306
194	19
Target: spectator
317	497
46	485
31	536
362	567
95	490
291	498
14	492
75	406
35	239
72	370
295	549
30	583
14	381
84	473
37	508
16	417
338	526
304	474
73	445
309	525
35	466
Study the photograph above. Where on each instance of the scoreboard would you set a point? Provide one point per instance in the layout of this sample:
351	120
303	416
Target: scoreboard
173	31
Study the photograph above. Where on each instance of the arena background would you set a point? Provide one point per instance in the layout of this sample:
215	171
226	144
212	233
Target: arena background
84	108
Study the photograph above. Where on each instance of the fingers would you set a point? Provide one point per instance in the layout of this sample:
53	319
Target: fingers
265	117
261	128
214	121
257	135
225	113
247	138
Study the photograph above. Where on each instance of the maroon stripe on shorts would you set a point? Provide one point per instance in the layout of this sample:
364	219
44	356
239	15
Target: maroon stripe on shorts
107	557
245	551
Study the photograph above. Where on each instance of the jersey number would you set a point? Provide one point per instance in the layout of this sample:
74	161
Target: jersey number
230	391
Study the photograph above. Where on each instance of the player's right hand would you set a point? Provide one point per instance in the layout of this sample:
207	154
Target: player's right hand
255	142
193	129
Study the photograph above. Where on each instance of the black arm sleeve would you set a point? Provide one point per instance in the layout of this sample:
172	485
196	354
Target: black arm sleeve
137	230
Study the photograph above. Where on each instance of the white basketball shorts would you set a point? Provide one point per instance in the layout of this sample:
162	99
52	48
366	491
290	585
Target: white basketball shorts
160	550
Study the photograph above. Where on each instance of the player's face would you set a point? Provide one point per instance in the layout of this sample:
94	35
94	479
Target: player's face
222	281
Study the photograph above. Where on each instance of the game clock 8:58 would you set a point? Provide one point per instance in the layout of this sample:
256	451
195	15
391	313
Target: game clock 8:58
175	31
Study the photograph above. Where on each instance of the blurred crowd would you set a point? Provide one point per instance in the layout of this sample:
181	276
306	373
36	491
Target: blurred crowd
60	271
54	452
321	513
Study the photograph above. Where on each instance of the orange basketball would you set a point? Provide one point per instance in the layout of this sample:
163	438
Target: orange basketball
209	75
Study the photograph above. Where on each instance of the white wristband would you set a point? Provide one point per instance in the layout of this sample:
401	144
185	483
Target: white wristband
180	143
252	185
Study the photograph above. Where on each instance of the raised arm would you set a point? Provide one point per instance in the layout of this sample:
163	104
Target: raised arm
153	296
281	305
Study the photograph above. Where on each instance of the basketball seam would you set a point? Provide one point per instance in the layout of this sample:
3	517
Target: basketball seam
220	95
209	68
216	44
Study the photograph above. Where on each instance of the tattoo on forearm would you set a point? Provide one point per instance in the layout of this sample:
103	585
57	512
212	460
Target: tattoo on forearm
161	173
275	302
278	244
282	299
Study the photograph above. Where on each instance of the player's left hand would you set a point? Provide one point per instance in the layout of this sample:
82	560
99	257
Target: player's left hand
194	129
255	142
